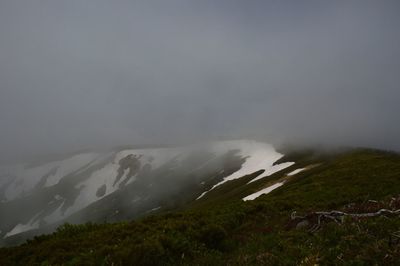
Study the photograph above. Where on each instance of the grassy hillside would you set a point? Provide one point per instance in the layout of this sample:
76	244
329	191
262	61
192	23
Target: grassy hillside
221	229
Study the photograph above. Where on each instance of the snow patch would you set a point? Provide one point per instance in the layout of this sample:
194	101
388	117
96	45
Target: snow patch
27	177
70	165
272	170
295	172
154	209
263	191
257	156
88	188
19	228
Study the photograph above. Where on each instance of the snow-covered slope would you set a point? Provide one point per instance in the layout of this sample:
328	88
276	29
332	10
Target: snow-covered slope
257	156
26	177
123	184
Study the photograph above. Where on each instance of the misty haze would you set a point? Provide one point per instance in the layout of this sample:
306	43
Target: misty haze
182	132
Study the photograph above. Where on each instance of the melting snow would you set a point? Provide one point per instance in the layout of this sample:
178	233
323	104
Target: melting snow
70	165
273	169
26	177
263	191
296	171
107	175
104	176
154	209
19	228
258	156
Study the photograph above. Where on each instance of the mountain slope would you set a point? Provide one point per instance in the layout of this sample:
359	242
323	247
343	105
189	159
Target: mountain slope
221	228
120	185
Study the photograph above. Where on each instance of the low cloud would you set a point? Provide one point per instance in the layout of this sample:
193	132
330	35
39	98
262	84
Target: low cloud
94	74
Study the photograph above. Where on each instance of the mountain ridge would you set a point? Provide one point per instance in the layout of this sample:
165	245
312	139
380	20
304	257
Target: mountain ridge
115	186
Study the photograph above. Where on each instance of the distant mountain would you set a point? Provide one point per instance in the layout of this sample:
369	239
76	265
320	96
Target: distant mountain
121	185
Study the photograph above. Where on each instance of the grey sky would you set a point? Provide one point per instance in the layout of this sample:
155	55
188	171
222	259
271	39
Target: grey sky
85	74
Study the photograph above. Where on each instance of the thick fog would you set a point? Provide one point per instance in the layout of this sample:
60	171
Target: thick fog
92	74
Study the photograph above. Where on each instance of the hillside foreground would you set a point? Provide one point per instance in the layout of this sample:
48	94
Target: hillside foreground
292	225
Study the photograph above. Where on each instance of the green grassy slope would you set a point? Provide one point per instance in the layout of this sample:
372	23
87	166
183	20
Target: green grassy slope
222	229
